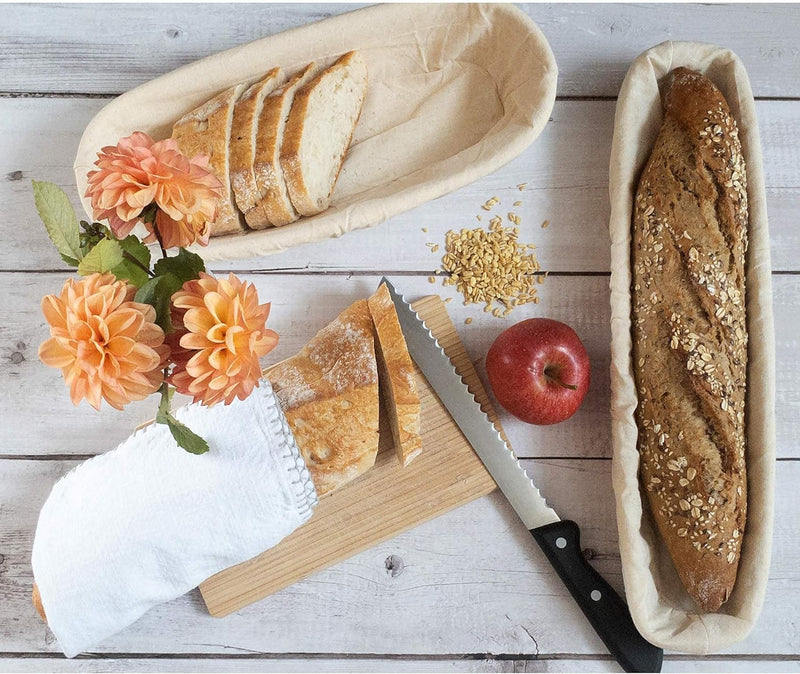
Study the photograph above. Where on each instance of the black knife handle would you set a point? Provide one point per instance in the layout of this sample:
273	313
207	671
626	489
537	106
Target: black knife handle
608	614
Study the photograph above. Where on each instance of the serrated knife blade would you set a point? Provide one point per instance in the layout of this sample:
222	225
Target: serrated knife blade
485	439
559	539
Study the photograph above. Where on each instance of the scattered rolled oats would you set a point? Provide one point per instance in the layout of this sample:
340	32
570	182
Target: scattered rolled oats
491	266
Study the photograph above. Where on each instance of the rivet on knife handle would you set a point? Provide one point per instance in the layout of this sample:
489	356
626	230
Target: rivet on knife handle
604	608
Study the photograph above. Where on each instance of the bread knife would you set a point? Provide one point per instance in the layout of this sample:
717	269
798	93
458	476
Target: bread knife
559	539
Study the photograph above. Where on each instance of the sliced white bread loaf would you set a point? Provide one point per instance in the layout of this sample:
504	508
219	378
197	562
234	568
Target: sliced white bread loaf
276	206
319	130
207	130
243	141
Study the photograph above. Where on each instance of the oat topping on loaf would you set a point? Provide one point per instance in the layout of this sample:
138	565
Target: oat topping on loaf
690	336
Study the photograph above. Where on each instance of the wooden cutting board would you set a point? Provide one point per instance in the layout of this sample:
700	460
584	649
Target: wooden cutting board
385	501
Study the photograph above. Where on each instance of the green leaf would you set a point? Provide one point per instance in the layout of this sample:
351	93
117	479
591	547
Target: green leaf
157	292
185	265
128	269
71	261
183	435
103	257
59	219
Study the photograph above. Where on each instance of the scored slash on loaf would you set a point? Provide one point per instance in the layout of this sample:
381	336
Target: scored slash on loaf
690	335
277	146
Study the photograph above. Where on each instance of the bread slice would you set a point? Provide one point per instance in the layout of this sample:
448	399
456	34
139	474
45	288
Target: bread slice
319	130
276	206
243	141
329	393
396	374
207	130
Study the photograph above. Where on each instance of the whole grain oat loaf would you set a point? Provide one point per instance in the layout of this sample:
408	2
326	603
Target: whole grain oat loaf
690	338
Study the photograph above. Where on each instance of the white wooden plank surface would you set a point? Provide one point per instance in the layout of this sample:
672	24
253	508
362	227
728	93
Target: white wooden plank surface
473	582
496	604
109	49
566	171
301	304
258	663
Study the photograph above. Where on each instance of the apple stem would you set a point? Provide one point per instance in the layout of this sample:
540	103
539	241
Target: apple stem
551	377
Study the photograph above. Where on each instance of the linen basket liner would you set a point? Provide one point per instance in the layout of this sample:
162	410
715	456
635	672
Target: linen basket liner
661	608
454	92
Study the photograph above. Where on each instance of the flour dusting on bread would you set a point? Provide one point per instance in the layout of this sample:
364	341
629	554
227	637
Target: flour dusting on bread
329	393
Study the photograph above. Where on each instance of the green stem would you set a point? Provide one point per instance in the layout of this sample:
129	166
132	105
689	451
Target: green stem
165	388
160	240
150	217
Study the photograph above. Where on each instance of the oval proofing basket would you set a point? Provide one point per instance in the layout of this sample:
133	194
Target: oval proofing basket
661	608
455	91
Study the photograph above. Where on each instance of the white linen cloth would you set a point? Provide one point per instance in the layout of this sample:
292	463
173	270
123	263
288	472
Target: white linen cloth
147	521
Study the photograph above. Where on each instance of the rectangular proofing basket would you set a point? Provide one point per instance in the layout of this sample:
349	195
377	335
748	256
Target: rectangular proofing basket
454	92
660	606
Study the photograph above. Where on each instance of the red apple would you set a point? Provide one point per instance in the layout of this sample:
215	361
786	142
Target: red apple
539	370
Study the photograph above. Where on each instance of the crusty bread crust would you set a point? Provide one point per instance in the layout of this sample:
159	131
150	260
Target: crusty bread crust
396	374
37	602
206	130
243	133
690	336
276	207
329	393
291	164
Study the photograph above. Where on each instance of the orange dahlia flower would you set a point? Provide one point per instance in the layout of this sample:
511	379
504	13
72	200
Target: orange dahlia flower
139	171
220	335
180	233
107	346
